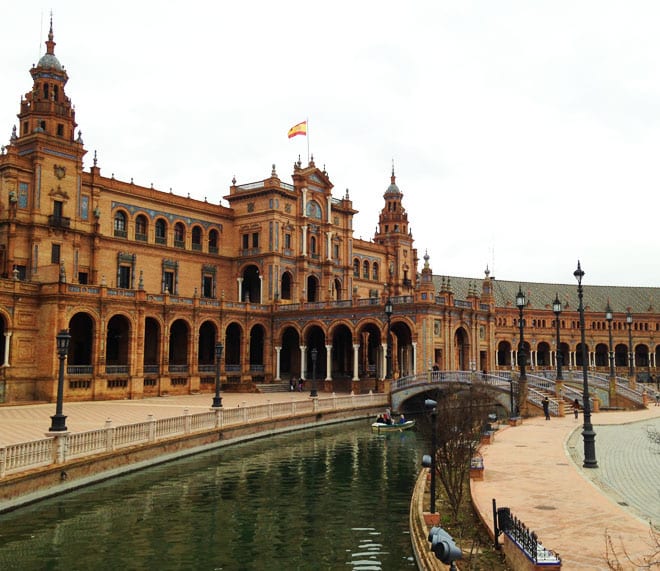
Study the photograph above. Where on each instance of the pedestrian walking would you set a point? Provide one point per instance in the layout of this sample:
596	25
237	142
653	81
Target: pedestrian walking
576	408
546	407
657	399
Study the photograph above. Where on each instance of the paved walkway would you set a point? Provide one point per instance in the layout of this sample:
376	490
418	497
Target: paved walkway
31	422
536	470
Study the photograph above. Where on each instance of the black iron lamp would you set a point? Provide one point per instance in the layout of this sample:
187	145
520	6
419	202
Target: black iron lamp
217	399
556	308
58	421
315	354
588	434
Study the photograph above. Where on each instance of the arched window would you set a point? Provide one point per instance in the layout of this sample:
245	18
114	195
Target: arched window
356	268
196	238
141	228
213	242
120	224
161	231
374	271
312	245
179	235
365	270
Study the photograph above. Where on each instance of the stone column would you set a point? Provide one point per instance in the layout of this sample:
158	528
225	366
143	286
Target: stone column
303	360
240	288
328	362
356	376
7	346
384	362
277	363
414	358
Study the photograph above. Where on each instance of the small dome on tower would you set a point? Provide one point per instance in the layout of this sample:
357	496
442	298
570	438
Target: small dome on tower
49	61
393	188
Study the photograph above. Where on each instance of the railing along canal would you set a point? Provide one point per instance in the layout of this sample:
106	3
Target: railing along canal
68	446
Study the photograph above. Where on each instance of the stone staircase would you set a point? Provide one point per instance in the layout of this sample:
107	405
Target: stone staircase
279	387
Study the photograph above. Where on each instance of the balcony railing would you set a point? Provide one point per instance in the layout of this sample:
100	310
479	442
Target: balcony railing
177	368
116	369
59	221
79	369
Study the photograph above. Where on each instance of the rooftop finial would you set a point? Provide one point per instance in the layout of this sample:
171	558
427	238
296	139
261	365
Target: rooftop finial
393	177
50	44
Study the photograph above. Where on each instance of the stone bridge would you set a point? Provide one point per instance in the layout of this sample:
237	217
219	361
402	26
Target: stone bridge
506	385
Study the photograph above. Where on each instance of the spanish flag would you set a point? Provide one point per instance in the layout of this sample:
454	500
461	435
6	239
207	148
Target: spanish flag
299	129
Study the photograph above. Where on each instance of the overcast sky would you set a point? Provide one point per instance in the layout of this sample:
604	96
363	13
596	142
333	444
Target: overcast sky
525	135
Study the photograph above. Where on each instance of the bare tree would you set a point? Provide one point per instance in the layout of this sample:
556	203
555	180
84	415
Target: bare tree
460	422
618	558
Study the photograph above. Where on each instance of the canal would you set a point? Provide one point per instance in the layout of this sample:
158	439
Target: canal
326	498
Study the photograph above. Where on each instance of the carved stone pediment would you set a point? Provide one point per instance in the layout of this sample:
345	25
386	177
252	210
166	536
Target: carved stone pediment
59	193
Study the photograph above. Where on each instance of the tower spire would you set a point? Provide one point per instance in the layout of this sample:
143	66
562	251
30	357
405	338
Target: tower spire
50	44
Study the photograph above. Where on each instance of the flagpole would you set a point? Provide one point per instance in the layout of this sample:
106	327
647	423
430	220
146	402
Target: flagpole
307	121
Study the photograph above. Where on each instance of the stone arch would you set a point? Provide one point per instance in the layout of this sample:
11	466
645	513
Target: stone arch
370	353
602	355
621	355
341	361
461	349
233	347
641	355
543	354
286	285
402	349
314	338
312	288
141	227
208	336
152	334
257	344
336	289
81	346
251	286
578	354
178	342
118	337
290	353
504	354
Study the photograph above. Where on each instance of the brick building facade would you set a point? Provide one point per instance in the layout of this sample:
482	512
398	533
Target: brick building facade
147	282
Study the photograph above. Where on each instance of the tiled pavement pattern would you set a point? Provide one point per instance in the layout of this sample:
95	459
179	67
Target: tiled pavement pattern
536	470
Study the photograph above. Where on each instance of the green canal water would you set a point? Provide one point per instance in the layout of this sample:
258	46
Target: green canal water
327	498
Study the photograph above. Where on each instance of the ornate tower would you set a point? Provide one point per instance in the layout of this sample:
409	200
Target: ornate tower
46	109
394	232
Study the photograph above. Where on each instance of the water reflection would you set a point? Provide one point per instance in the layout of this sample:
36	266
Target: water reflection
327	498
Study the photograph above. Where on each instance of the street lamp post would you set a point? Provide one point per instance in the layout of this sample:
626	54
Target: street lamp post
58	421
388	358
217	399
609	317
588	434
556	308
315	354
631	370
522	398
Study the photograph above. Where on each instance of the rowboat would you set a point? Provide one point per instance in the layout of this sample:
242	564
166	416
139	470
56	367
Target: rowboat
381	427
